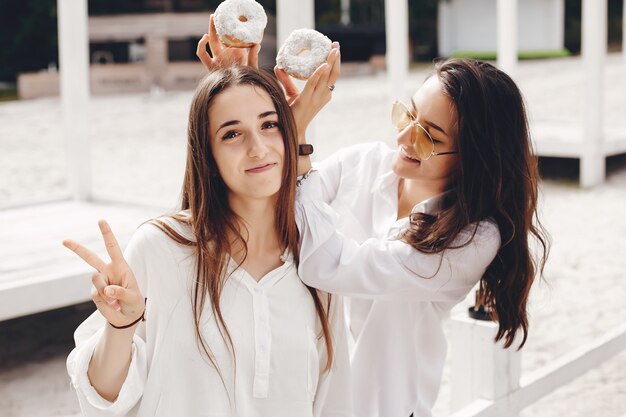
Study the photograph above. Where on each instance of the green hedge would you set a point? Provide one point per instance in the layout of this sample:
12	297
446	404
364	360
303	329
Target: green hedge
491	55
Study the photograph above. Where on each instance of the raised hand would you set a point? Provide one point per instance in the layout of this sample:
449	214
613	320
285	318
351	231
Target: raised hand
316	93
224	56
115	291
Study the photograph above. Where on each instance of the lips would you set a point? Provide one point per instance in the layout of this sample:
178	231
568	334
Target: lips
261	168
405	155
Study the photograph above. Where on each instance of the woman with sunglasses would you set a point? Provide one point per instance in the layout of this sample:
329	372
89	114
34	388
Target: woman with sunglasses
405	233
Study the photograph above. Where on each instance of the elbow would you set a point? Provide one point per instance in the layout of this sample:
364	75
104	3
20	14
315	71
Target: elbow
109	393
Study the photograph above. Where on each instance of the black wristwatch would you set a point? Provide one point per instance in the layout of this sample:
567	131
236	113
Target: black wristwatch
305	149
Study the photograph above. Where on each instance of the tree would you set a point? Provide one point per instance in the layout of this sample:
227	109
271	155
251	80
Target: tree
28	36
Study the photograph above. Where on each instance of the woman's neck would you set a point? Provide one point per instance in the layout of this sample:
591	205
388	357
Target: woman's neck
258	229
412	192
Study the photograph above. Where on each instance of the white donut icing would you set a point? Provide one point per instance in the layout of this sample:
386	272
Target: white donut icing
226	19
303	51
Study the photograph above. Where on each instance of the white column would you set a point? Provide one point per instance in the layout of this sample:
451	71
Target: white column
507	35
559	13
345	12
480	368
624	31
446	28
397	46
74	75
291	15
594	45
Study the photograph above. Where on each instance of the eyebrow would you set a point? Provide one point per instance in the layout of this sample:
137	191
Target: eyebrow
234	122
431	124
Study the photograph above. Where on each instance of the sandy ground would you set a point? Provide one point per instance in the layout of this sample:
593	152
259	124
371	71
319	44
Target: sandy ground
138	144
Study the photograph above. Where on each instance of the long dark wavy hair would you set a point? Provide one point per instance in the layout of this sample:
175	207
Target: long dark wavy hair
205	208
497	179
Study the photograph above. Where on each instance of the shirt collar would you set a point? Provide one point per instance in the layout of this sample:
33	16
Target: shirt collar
269	280
384	181
432	205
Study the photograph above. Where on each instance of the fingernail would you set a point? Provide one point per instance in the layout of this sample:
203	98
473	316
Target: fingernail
109	291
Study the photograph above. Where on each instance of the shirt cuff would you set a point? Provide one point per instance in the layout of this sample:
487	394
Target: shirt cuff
309	187
316	221
89	399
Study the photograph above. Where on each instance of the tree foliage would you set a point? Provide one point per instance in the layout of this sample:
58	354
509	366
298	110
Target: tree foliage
28	36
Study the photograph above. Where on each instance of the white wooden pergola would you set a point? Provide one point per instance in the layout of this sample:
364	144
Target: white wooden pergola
590	146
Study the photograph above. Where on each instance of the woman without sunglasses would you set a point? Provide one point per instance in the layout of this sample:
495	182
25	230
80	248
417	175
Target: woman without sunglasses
229	330
453	205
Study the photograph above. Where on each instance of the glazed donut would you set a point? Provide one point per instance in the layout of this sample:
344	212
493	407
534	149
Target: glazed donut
240	23
303	51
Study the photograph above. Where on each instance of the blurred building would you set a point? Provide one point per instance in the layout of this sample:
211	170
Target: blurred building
139	52
138	46
470	25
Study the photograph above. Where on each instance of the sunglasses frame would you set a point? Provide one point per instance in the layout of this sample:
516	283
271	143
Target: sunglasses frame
416	126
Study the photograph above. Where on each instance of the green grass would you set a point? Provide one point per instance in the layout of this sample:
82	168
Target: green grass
491	55
7	94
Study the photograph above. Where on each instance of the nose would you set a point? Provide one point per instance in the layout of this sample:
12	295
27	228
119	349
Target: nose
257	148
404	135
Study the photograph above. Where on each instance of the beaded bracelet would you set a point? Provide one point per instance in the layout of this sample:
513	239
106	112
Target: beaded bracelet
141	318
300	180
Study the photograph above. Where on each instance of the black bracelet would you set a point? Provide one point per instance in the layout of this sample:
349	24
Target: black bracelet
305	149
141	318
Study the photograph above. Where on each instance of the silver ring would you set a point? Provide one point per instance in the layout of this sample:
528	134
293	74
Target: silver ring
331	87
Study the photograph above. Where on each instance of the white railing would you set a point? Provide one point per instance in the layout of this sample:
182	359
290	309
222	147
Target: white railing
486	378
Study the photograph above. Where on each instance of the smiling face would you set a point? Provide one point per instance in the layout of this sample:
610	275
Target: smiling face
246	142
435	111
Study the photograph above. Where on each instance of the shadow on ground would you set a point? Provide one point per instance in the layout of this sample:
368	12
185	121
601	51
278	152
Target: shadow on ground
39	337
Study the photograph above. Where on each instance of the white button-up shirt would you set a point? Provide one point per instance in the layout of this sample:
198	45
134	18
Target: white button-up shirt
278	361
396	295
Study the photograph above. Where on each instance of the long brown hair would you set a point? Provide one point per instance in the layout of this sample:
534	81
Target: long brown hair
497	179
205	209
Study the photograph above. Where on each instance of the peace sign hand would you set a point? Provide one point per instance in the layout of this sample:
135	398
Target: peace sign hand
115	291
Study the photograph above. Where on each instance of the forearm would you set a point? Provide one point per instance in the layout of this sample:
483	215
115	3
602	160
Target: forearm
304	164
110	362
304	161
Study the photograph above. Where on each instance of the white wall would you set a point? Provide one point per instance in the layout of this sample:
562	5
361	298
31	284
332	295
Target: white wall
471	25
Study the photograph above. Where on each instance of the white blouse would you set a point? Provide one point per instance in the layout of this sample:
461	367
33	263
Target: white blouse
396	295
279	358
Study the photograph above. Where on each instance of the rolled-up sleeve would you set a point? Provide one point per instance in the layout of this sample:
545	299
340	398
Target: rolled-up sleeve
330	170
91	403
378	268
89	333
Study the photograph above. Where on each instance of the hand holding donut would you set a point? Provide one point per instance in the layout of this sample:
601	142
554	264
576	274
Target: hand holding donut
316	93
115	291
225	56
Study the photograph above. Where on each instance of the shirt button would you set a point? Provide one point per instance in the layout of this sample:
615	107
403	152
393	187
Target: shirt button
258	290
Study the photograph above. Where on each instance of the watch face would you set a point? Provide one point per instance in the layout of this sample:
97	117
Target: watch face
306	149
